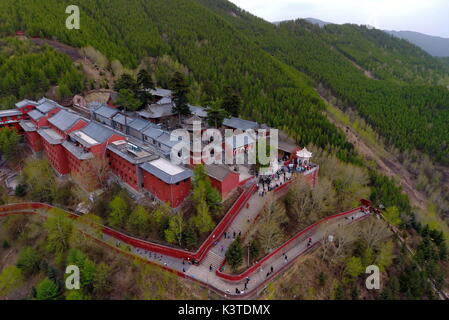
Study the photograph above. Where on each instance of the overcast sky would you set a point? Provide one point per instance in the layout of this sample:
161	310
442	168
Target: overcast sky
425	16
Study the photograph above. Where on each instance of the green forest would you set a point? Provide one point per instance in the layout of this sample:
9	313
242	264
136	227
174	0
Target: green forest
29	71
276	70
405	97
406	101
215	54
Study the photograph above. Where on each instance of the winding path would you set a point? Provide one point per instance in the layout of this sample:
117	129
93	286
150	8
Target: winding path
203	266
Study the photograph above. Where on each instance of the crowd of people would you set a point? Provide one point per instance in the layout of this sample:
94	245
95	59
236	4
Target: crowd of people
267	183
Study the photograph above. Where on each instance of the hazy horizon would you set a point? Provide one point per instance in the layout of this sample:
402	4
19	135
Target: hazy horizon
429	17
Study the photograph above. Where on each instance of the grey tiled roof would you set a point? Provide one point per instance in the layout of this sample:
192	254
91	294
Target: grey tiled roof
27	126
237	123
144	114
156	111
164	138
199	111
153	133
46	105
286	146
78	152
139	124
106	111
160	136
24	103
64	120
10	113
165	100
35	115
167	178
161	92
51	136
95	131
130	158
95	105
217	171
121	119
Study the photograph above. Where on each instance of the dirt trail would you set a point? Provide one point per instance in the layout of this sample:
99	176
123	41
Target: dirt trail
72	52
367	73
90	69
390	167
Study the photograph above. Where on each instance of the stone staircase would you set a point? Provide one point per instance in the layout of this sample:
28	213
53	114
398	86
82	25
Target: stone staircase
212	259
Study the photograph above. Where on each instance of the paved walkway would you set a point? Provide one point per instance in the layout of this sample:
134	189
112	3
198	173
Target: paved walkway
264	274
205	271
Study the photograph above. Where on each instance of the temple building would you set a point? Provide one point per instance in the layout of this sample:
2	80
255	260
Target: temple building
166	181
135	148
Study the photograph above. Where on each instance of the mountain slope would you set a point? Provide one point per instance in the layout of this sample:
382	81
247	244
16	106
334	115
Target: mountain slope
406	106
436	46
215	53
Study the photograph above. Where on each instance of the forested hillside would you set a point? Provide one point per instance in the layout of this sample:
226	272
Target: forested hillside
214	52
29	71
401	99
403	106
388	57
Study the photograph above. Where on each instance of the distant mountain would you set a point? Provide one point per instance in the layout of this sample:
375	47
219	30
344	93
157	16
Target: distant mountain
436	46
319	22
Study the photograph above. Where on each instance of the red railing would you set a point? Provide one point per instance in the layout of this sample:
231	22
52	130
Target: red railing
154	247
219	230
225	222
253	268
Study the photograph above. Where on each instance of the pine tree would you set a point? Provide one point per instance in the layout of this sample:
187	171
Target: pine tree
180	90
128	100
145	80
174	232
47	290
216	115
119	212
232	102
139	221
126	81
203	190
202	220
234	254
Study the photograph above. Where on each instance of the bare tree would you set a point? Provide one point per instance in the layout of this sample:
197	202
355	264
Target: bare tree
270	235
300	195
374	231
274	211
94	173
334	251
